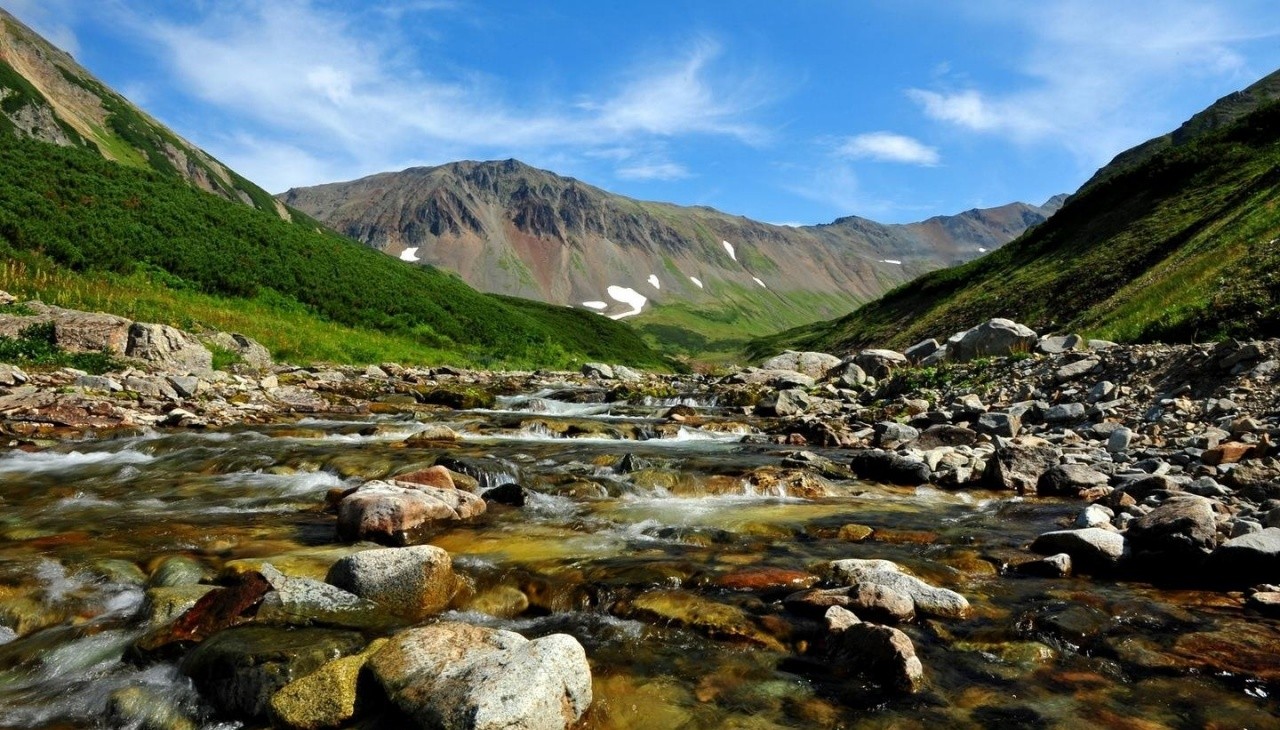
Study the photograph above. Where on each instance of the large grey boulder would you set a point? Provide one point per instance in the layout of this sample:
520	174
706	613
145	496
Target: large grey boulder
1019	463
928	600
1091	549
307	601
993	338
880	364
167	347
455	676
921	350
1070	480
411	581
813	364
783	403
1249	559
390	511
1183	526
251	351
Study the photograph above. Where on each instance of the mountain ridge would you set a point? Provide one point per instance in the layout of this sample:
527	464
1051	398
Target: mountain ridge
507	227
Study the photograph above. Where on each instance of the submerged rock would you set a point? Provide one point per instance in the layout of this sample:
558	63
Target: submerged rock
325	698
455	676
681	608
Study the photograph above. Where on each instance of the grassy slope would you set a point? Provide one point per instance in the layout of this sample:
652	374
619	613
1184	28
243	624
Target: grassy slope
150	237
1180	247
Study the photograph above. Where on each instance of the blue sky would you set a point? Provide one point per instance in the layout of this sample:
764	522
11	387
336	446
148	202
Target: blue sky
785	112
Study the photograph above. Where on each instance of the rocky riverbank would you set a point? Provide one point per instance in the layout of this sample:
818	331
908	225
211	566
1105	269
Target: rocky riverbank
1161	455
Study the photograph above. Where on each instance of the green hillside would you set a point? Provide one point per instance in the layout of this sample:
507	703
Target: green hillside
1182	245
76	217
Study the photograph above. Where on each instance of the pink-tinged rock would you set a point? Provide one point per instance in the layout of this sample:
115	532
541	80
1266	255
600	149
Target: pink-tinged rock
389	511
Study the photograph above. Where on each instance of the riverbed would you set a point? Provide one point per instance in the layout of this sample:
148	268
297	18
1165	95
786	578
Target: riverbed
621	502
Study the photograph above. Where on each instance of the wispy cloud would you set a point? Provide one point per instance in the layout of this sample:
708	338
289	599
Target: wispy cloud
889	147
1095	75
653	171
318	83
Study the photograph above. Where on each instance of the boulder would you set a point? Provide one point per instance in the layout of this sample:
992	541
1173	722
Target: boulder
1057	344
167	347
1249	559
928	600
813	364
239	669
1074	370
1091	549
871	601
921	350
597	370
1018	464
879	653
784	403
414	582
391	511
1182	527
306	601
1069	480
455	676
891	434
325	698
943	434
880	364
1054	566
250	351
994	338
994	423
73	331
890	468
12	375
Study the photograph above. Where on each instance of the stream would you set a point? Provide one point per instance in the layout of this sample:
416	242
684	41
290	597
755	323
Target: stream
620	502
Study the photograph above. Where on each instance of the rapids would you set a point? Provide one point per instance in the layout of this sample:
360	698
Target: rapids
620	503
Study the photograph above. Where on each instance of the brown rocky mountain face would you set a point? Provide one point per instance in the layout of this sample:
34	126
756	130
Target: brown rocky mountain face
509	228
46	95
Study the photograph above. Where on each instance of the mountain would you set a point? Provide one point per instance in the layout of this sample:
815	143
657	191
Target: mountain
695	279
45	95
1221	113
103	208
1179	239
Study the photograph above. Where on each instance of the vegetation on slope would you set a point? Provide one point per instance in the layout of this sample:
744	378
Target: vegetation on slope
1182	246
69	207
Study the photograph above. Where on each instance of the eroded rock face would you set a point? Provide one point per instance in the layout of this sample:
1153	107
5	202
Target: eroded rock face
460	677
164	346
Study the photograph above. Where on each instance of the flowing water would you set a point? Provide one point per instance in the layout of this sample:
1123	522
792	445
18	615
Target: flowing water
633	504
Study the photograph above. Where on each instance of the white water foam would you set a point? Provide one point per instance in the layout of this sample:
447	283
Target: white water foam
42	462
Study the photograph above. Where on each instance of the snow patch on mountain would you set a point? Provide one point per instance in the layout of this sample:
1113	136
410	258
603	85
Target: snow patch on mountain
696	281
595	305
410	254
729	247
628	296
653	281
761	283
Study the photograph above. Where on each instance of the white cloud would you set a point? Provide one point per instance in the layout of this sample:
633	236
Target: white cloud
319	86
653	171
1095	76
889	147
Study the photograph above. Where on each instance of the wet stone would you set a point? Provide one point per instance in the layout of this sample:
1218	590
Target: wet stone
412	581
240	669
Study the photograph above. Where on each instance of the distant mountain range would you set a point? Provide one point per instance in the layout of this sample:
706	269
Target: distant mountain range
688	275
1176	239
